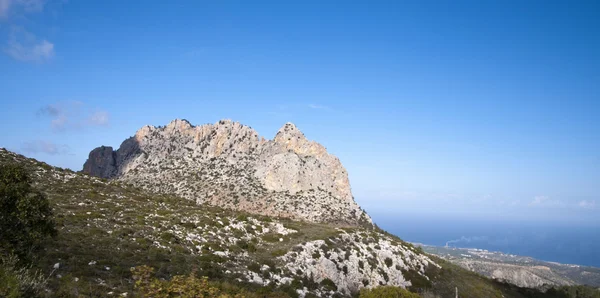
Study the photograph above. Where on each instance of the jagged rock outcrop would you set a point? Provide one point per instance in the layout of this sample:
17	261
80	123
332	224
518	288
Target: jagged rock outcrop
101	162
228	164
353	261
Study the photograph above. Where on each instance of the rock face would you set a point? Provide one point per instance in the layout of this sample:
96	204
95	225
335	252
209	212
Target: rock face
229	165
355	260
101	163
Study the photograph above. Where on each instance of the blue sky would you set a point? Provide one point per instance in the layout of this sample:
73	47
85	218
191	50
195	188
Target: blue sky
484	109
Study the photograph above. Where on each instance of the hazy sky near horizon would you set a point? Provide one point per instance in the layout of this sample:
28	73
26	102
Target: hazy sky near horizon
484	109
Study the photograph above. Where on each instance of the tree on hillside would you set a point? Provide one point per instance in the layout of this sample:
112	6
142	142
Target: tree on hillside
25	214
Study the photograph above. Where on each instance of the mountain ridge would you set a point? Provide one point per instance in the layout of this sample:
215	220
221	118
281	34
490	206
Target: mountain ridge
229	165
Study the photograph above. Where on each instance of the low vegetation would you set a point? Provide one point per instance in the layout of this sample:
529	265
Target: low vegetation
98	230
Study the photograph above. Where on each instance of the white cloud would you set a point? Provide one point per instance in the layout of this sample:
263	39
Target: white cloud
318	107
481	198
24	46
31	5
25	5
514	203
545	201
46	147
538	200
99	118
587	204
72	115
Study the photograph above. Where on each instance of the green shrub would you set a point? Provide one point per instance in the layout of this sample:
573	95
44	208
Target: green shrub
25	214
181	286
271	237
245	245
254	267
419	250
278	252
418	281
17	281
386	292
328	285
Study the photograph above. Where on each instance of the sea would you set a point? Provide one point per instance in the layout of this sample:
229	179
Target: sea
555	242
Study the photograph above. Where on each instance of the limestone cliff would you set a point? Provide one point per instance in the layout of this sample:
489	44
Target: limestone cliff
228	164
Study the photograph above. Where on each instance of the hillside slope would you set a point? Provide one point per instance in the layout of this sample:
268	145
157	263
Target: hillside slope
107	227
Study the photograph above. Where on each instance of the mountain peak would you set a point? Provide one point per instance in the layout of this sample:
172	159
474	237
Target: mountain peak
289	132
224	122
228	165
288	126
180	124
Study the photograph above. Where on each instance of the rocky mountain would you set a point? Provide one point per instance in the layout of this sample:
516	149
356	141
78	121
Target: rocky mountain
228	164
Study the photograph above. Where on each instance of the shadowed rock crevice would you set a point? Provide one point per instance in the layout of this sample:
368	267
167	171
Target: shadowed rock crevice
101	162
104	162
228	164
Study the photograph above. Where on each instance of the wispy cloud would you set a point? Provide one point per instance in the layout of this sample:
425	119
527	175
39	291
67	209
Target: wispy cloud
545	201
24	46
26	5
591	204
21	44
41	146
318	107
72	115
99	118
31	5
514	203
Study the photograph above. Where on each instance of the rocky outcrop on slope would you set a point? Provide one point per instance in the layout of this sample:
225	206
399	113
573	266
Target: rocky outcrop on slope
356	260
101	163
229	165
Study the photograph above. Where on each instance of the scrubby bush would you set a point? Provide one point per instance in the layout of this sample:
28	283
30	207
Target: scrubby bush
245	245
388	262
328	285
386	292
188	286
19	281
278	252
25	214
